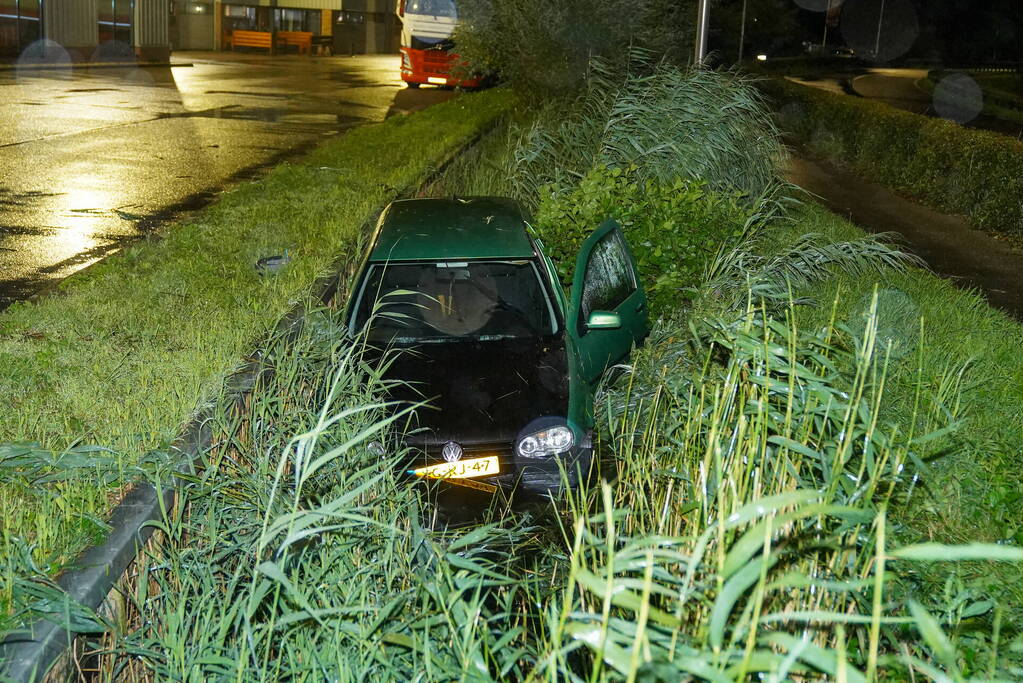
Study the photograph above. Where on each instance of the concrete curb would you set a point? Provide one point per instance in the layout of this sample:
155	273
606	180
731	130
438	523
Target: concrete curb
847	87
28	655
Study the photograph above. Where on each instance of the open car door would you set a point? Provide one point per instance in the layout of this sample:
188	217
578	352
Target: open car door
608	310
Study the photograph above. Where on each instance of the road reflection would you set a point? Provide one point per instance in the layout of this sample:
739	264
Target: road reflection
93	159
79	233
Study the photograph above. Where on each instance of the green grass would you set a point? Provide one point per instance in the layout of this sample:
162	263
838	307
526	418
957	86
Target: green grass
975	485
973	488
1007	82
126	352
955	361
960	360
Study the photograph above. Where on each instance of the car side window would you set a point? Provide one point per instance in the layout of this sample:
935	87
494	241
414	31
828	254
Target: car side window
609	278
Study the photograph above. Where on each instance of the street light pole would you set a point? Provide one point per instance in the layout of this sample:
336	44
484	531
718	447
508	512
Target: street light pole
742	30
824	40
701	32
877	41
273	27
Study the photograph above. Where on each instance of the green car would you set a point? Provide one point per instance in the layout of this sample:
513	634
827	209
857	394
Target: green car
507	363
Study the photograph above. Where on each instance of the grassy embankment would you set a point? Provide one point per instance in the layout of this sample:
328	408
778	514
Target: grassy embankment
123	354
974	482
958	170
763	458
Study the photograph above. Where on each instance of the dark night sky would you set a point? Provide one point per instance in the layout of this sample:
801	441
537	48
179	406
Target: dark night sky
975	29
948	30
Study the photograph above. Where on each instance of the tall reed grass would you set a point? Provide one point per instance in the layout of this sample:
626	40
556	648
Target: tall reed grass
668	123
739	531
297	555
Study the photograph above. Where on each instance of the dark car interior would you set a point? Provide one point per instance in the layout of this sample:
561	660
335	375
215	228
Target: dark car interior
413	303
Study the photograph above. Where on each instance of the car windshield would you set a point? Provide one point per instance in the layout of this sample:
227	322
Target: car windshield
438	8
410	303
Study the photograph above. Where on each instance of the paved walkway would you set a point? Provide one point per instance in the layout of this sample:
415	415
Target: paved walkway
971	258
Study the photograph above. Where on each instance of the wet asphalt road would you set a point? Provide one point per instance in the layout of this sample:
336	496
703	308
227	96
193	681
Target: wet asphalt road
92	159
895	87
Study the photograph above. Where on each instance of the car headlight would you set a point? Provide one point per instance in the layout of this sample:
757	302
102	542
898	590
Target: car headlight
546	442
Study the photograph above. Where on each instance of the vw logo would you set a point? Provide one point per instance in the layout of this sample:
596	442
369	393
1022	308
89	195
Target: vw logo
451	451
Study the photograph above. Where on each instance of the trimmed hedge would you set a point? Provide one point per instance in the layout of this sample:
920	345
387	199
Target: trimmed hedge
953	169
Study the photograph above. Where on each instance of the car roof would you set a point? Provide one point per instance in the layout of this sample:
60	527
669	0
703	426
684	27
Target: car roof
451	228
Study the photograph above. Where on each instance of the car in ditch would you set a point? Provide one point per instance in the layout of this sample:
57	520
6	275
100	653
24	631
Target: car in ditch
503	363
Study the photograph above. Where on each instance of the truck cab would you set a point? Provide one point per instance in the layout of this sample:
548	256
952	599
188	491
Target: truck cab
427	50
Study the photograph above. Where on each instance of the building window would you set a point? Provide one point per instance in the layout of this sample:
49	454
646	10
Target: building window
297	20
115	20
20	25
239	18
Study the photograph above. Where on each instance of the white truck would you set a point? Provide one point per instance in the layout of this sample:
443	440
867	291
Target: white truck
427	54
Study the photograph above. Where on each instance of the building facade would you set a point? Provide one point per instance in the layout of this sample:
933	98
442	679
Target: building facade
87	30
345	26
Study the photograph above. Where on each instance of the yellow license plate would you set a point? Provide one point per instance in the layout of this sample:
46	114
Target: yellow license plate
461	469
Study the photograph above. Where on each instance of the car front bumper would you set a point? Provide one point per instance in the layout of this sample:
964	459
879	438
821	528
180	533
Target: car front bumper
548	475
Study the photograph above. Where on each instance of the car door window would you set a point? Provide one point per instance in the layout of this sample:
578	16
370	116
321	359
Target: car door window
605	279
609	278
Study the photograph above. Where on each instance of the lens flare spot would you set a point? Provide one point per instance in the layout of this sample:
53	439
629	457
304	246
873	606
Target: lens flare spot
957	97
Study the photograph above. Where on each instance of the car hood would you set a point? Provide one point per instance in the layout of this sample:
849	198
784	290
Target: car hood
480	391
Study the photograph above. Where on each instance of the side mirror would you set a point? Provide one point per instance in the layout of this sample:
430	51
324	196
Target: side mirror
603	320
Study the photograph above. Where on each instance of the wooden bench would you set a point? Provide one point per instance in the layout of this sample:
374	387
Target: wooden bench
303	40
250	39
